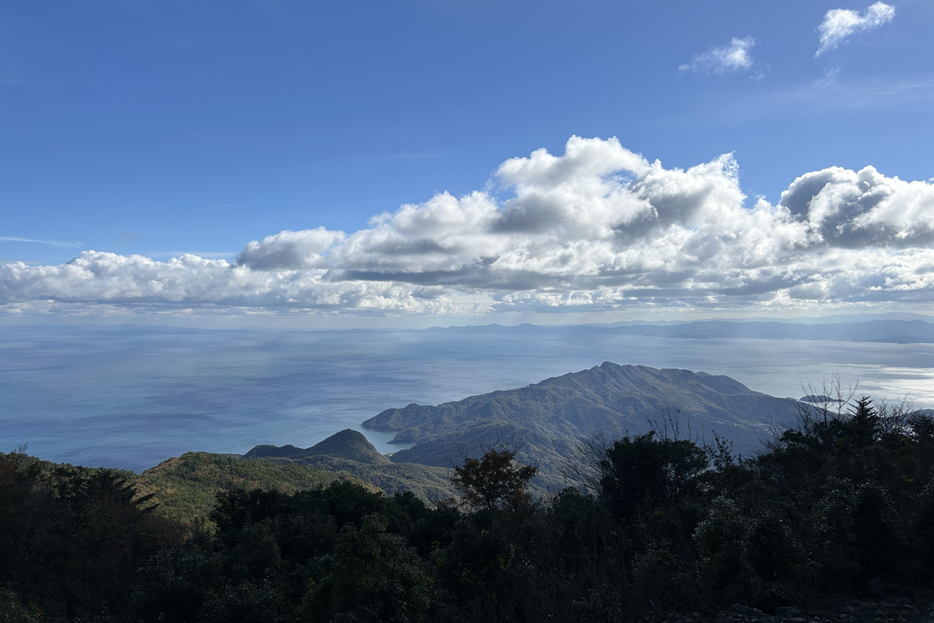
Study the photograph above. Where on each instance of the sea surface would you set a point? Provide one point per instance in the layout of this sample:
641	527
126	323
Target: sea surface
131	397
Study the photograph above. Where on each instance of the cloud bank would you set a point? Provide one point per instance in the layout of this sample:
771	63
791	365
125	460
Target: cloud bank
596	229
840	24
728	59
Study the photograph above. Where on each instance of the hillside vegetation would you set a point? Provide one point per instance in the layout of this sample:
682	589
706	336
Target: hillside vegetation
349	454
837	507
186	487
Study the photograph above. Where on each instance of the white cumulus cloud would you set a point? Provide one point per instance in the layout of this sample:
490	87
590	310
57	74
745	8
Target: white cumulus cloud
727	59
289	250
840	24
597	228
191	281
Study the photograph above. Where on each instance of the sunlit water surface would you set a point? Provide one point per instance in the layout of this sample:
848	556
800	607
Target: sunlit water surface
131	398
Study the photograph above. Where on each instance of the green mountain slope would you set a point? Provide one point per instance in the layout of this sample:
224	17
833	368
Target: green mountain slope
349	454
185	487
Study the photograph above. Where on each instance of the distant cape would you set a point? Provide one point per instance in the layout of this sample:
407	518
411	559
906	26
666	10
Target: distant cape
347	444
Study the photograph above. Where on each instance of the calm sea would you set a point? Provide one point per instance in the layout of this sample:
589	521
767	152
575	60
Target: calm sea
132	397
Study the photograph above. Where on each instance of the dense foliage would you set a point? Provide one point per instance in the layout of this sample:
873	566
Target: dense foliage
842	498
71	540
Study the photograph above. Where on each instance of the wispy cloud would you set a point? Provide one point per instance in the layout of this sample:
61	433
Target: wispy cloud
728	59
841	24
827	94
54	243
597	228
832	93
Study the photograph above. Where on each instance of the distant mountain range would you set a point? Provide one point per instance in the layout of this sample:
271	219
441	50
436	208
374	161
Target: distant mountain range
899	328
883	330
895	331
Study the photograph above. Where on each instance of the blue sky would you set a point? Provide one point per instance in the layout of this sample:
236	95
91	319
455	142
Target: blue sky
231	160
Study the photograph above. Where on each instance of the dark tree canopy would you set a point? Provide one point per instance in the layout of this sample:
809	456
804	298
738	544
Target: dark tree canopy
647	470
494	481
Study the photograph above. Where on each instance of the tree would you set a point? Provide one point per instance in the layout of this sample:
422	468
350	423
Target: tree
71	538
494	481
643	470
374	577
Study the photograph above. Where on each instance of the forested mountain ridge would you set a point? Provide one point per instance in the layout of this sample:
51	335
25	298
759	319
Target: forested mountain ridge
550	417
546	421
608	397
